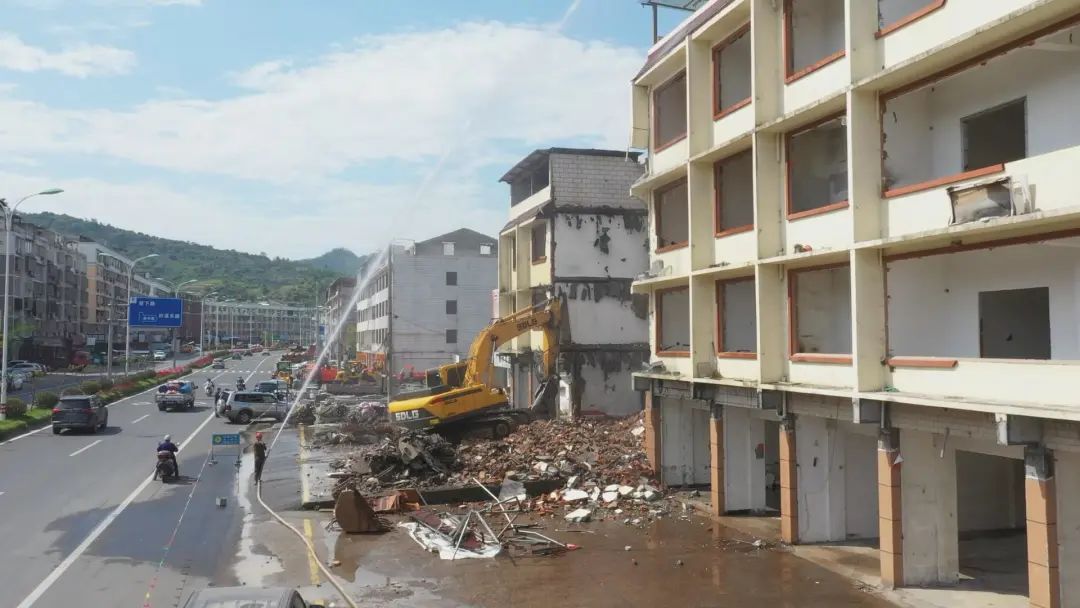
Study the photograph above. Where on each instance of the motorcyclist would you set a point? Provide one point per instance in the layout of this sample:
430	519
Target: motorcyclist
240	383
209	386
167	445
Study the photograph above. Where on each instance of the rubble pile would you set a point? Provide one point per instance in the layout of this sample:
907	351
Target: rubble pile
398	458
340	409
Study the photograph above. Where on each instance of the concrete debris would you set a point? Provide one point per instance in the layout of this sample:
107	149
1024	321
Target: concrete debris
610	497
574	495
579	515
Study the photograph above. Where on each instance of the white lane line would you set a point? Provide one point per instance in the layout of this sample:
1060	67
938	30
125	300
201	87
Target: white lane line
59	571
84	448
143	417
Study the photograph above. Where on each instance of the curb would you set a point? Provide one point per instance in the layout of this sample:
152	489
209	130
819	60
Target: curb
27	426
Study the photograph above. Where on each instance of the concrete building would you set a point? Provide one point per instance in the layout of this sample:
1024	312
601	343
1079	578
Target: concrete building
107	294
338	299
48	286
575	232
865	251
425	303
230	323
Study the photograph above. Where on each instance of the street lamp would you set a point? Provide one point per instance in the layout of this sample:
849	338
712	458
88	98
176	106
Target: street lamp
8	219
127	331
202	321
176	294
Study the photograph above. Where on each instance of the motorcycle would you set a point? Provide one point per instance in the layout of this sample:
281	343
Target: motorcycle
240	385
166	466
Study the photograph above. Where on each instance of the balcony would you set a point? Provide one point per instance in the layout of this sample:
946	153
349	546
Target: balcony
996	323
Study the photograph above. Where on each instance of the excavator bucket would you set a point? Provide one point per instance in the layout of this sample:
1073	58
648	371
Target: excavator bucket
354	514
544	399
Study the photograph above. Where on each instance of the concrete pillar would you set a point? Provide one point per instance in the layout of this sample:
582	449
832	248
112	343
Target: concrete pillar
1067	488
652	432
1044	584
890	524
716	460
789	502
821	483
931	547
744	461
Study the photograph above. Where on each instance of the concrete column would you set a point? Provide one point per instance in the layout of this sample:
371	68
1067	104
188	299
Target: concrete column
766	44
931	547
716	460
1044	583
890	523
699	88
652	432
702	324
822	482
744	468
789	502
1067	489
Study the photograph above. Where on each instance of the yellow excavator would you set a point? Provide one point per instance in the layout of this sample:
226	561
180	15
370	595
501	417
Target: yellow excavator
465	398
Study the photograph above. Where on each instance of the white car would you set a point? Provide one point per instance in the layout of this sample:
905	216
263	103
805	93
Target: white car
159	355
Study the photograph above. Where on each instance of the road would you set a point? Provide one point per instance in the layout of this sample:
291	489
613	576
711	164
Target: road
82	524
57	381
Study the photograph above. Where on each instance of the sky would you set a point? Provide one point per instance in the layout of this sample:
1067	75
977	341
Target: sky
292	127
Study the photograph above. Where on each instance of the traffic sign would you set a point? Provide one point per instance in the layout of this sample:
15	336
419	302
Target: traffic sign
155	312
226	439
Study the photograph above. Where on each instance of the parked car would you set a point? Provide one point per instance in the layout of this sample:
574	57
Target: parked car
15	380
34	368
14	362
175	394
218	364
219	597
80	412
245	406
159	355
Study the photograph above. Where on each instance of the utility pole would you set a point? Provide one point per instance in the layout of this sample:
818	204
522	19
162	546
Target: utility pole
389	323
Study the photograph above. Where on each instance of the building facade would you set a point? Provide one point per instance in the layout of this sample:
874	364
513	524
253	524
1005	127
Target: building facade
426	302
231	323
338	299
576	233
864	277
107	296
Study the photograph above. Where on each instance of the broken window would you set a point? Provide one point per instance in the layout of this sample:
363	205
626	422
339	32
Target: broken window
995	136
814	34
821	310
527	184
731	73
672	216
451	307
817	168
736	316
673	321
451	336
669	112
539	242
734	193
1015	323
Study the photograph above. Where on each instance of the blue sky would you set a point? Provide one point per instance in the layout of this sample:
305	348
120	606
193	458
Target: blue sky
294	127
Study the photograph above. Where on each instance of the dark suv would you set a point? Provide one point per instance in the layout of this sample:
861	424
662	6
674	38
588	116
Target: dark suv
79	412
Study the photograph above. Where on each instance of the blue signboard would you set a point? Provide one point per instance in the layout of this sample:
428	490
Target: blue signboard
226	439
156	312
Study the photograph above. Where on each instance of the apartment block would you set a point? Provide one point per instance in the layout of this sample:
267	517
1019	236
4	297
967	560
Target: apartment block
864	279
576	233
107	296
425	302
338	298
228	323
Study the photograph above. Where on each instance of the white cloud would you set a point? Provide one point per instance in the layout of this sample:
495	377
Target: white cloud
443	103
81	60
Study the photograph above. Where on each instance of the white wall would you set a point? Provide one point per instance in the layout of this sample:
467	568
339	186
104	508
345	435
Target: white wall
923	128
837	486
580	241
744	472
933	301
735	70
606	383
602	313
737	191
823	310
684	442
928	497
817	30
740	317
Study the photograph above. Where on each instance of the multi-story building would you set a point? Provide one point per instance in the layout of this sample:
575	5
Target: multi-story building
48	279
227	323
107	296
338	299
865	246
576	233
425	302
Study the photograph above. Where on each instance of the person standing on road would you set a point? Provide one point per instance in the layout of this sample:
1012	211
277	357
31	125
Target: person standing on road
260	457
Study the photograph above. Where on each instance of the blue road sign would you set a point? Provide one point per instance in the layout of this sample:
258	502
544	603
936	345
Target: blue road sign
156	312
225	439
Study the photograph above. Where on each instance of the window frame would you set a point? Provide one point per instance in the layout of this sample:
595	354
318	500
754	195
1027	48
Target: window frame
719	287
658	321
451	333
659	146
964	138
717	50
449	274
538	259
719	231
828	207
657	195
490	248
451	304
793	320
910	18
790	73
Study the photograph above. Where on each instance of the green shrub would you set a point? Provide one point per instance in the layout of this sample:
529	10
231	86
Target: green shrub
105	385
90	387
46	399
16	407
72	390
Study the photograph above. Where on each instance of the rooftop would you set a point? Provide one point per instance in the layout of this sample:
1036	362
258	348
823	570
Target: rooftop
537	157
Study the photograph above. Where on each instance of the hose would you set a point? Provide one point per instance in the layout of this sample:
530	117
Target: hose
311	549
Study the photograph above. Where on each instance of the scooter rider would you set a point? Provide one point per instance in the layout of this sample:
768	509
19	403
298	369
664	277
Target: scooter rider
209	386
167	445
239	383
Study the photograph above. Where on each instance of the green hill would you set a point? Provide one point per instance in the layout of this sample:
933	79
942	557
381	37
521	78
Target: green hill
232	274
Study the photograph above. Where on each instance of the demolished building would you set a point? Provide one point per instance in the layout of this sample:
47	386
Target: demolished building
575	232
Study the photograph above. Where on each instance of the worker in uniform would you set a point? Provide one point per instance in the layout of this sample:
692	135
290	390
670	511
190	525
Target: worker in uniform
260	457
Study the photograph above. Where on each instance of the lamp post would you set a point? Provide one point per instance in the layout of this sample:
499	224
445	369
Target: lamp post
9	218
127	331
176	294
202	322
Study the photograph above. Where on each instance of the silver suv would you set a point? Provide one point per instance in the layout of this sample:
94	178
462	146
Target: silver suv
245	406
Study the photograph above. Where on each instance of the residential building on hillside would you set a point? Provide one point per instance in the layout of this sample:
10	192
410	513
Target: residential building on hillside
48	283
338	299
425	302
864	241
576	233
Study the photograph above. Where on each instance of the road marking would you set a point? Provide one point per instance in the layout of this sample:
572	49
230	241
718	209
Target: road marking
59	571
305	490
140	418
84	448
313	567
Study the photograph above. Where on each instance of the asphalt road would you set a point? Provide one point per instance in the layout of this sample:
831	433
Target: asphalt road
82	523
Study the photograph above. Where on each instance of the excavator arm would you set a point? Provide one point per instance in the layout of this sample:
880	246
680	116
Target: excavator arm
546	317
